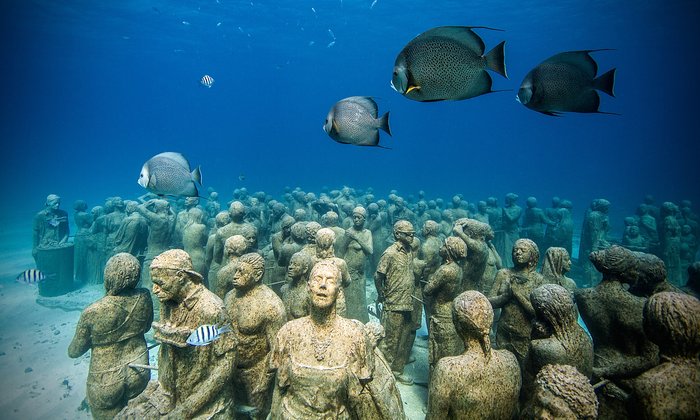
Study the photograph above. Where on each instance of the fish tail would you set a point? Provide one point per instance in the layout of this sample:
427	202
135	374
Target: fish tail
225	329
605	82
197	175
496	59
384	123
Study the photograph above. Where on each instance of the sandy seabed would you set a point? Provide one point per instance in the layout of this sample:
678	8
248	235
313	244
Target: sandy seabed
39	381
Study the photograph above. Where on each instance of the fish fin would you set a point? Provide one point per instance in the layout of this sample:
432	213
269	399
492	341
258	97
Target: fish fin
580	59
384	123
410	88
608	113
334	126
461	34
382	147
197	175
551	113
225	329
151	181
606	82
496	59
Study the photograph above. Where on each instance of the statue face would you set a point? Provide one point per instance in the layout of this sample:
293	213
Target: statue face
405	237
522	254
167	283
323	287
295	268
358	220
244	277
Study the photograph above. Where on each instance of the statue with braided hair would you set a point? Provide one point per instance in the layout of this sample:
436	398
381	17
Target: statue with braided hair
561	392
481	382
113	329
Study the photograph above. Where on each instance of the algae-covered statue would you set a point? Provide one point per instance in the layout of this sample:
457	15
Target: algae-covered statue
557	263
511	292
357	250
475	235
50	225
322	360
380	399
194	370
325	238
561	392
481	383
256	314
234	247
113	328
670	390
295	293
443	287
161	220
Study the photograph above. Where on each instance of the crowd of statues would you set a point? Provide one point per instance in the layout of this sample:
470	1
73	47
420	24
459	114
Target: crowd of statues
290	289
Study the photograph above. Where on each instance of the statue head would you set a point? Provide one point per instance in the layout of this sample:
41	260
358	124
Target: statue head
430	228
404	232
235	245
557	262
172	274
526	254
325	238
122	272
472	315
222	219
53	201
554	305
324	284
299	265
454	249
80	206
311	229
531	202
672	321
359	214
250	269
562	392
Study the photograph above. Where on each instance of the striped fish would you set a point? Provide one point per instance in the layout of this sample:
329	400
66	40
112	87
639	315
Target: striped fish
31	276
205	334
207	81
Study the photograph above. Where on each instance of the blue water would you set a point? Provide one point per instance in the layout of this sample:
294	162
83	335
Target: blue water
92	89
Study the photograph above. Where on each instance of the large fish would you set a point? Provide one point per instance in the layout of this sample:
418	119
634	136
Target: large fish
169	173
354	120
566	82
447	63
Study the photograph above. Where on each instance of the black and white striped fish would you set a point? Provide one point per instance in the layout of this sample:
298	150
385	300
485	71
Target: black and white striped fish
207	81
205	334
31	276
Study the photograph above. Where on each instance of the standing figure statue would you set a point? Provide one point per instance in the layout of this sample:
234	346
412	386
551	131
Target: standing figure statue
511	226
357	250
257	314
52	251
295	293
557	263
132	236
50	225
83	221
161	222
322	361
113	328
325	238
481	383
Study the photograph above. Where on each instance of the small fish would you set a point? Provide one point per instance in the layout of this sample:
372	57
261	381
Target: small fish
372	5
331	34
313	10
311	43
218	24
566	82
31	276
447	63
241	177
186	23
207	81
169	173
330	44
354	120
241	30
205	334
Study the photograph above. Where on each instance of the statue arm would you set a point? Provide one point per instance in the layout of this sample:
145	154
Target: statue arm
204	391
501	293
499	261
81	342
379	279
346	279
434	283
439	396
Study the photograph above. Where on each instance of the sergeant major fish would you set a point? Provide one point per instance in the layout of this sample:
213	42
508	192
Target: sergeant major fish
31	276
354	120
205	334
207	81
447	63
566	82
169	173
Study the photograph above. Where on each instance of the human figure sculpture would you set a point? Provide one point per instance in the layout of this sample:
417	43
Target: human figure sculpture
298	237
50	226
380	399
282	237
511	226
670	390
650	276
256	314
96	254
394	281
563	232
475	235
557	263
194	381
83	221
325	238
310	246
495	213
670	236
237	214
222	219
481	383
511	293
194	240
557	338
613	316
535	222
114	217
692	287
161	221
132	236
357	249
429	253
113	329
322	361
443	287
234	248
295	294
633	240
330	220
561	392
594	237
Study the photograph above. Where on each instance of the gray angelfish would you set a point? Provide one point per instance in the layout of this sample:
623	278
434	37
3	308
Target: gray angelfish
447	63
566	82
354	120
169	173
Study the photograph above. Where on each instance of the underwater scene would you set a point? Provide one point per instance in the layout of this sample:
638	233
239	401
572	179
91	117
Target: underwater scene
334	208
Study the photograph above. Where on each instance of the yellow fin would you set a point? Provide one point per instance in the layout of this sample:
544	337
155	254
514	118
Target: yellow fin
410	88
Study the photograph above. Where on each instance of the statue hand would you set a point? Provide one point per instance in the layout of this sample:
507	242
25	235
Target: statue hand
168	334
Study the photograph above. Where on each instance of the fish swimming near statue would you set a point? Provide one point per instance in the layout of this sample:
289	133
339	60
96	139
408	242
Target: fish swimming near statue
205	334
354	120
31	276
207	81
566	82
447	63
169	173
